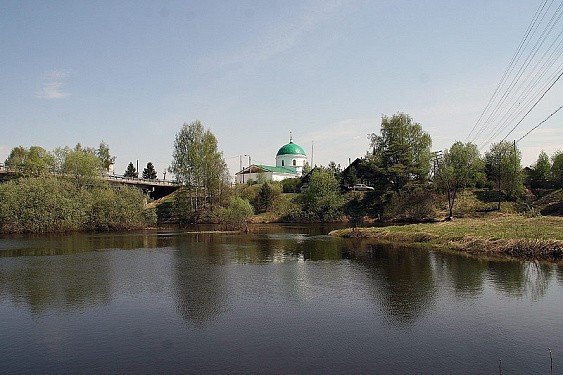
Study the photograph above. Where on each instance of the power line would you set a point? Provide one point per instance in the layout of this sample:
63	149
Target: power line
530	110
538	125
503	122
510	66
530	75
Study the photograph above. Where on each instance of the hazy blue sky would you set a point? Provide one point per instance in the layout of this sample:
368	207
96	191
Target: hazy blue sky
132	72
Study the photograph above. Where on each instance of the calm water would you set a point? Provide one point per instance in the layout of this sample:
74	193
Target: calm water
283	300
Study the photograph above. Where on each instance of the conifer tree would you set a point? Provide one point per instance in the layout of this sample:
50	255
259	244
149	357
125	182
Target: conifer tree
149	173
131	171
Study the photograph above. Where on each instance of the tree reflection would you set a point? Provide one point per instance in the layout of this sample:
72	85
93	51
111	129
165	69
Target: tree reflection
46	283
401	282
57	244
560	273
467	274
200	286
520	278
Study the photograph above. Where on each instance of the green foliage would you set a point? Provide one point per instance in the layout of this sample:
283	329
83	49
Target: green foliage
355	209
460	167
502	165
197	163
149	173
34	161
105	157
131	171
542	168
557	168
265	198
15	160
350	176
306	168
291	185
183	211
82	163
49	204
417	204
117	208
402	151
238	214
322	200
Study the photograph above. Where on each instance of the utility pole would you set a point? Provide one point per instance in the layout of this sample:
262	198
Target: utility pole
312	152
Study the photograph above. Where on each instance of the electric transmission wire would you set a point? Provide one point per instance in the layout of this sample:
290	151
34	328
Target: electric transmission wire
515	57
532	72
535	73
538	125
530	110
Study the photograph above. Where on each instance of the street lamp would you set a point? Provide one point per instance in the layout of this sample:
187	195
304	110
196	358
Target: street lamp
249	171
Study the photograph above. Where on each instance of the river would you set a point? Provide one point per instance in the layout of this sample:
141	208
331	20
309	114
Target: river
280	300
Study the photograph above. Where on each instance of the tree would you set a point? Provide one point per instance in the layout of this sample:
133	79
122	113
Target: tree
557	168
322	200
105	157
197	163
34	161
541	170
238	214
402	150
350	176
149	173
460	166
502	166
306	168
15	160
82	163
131	171
265	197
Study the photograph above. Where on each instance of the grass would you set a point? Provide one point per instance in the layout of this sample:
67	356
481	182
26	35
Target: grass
501	234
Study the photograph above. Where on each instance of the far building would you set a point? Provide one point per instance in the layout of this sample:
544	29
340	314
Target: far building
290	161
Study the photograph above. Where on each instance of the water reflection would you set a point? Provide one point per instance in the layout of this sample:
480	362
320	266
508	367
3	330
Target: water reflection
200	286
401	282
39	284
466	275
518	279
57	244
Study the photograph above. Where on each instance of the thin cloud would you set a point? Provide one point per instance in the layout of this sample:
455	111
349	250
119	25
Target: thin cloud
52	85
288	33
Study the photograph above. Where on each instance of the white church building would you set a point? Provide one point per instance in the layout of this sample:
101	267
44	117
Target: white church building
290	161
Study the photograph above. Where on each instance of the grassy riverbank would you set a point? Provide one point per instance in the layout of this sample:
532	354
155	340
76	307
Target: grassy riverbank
497	234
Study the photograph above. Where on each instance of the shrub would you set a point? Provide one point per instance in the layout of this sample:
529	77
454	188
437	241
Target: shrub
238	214
48	204
413	205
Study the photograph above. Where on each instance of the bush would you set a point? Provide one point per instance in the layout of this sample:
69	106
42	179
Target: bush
238	214
266	197
291	185
322	200
413	205
48	204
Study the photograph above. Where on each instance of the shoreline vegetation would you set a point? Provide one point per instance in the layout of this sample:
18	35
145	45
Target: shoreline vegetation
513	235
491	204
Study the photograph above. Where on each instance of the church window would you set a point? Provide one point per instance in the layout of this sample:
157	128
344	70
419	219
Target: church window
294	162
282	163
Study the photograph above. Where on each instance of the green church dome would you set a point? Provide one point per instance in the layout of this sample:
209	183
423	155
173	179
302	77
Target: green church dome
290	149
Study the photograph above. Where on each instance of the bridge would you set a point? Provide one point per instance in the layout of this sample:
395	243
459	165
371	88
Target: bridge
156	188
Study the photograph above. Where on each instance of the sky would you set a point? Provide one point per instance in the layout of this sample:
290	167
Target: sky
131	73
